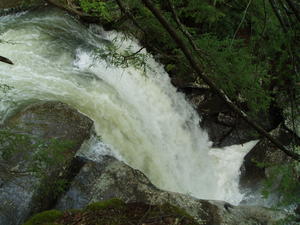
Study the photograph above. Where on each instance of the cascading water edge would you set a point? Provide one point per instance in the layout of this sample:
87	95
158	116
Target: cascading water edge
141	118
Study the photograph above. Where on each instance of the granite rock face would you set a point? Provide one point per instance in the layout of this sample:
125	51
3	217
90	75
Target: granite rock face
110	178
20	189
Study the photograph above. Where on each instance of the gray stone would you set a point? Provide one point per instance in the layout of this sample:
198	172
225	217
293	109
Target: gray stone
110	178
20	190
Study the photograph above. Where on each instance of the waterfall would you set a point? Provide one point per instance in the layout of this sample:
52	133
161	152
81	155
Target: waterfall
138	114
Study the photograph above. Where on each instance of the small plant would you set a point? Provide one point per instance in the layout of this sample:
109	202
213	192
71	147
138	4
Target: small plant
123	58
102	9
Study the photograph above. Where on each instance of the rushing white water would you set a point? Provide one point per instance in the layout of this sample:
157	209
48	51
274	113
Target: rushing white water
140	118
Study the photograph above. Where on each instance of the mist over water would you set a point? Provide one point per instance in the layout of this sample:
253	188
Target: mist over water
140	117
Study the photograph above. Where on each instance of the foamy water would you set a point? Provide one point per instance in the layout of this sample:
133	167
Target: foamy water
141	119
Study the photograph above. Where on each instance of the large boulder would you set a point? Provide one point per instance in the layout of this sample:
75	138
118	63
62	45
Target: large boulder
6	4
110	178
116	211
37	151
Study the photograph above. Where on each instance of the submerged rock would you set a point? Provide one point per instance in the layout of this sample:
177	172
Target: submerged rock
98	181
37	149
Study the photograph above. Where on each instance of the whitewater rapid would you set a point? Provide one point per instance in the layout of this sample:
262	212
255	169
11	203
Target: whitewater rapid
140	117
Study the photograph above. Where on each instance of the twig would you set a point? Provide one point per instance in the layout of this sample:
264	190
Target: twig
265	19
294	8
127	12
183	29
133	54
242	21
277	14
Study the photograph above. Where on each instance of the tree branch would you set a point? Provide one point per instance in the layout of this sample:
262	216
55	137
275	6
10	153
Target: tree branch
294	8
193	62
126	12
184	30
277	13
242	21
6	60
181	26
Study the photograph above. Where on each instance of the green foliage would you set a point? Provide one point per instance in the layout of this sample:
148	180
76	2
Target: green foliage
284	179
233	68
45	218
201	13
289	220
115	56
101	9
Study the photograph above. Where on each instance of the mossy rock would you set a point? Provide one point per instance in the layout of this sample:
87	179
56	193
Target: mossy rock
41	141
45	218
115	212
113	203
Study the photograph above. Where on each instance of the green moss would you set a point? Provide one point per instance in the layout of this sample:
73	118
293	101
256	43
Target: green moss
175	210
45	218
116	212
112	203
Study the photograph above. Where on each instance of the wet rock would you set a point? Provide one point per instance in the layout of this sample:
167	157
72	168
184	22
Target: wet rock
51	120
224	128
110	178
23	191
261	159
